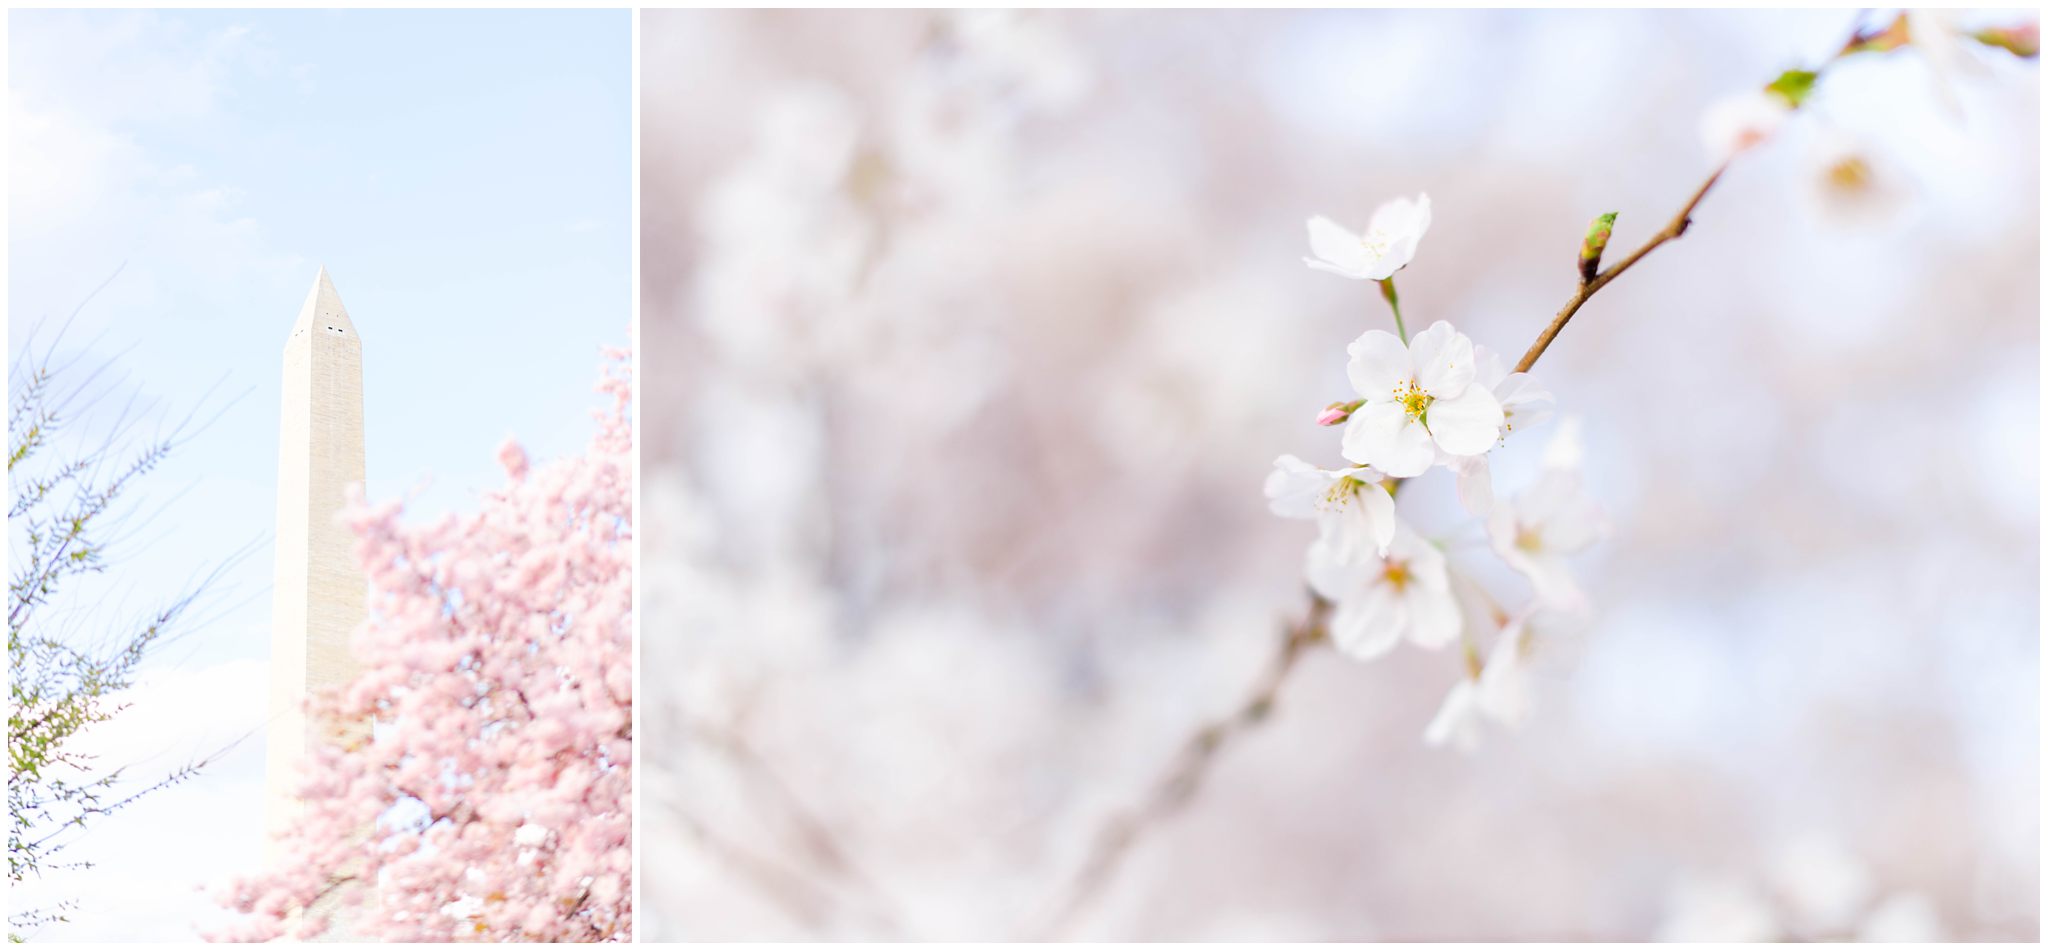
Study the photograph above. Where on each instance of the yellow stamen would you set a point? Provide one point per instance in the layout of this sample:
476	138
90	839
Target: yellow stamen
1850	174
1413	399
1341	492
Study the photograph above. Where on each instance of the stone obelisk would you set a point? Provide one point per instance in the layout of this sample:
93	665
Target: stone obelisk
320	593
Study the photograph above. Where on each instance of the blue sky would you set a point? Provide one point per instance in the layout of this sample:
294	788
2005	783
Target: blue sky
465	176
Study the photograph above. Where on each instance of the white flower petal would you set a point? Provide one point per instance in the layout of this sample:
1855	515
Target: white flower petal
1442	360
1538	562
1466	425
1552	580
1575	526
1332	577
1475	483
1383	436
1491	369
1378	507
1425	563
1378	366
1523	401
1369	622
1339	249
1294	488
1363	473
1398	216
1401	223
1456	723
1742	121
1503	692
1433	618
1346	526
1351	273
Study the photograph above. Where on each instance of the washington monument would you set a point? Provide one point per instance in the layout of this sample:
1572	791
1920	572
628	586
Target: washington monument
319	591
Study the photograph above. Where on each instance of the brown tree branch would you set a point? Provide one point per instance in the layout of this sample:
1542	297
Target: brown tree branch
1587	288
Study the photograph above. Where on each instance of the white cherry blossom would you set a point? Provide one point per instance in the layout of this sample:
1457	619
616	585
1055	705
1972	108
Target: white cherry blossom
1353	512
1523	403
1852	185
1456	723
1504	681
1742	121
1404	593
1496	690
1419	399
1548	522
1387	245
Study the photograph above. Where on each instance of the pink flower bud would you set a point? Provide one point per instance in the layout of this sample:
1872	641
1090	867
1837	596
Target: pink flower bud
1336	413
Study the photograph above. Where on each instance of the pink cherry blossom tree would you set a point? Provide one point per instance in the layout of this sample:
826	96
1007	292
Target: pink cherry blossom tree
492	799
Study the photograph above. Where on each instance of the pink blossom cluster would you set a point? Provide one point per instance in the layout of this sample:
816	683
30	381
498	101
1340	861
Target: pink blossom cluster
492	798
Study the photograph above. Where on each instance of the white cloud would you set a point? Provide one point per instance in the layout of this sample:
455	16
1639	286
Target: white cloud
200	833
179	714
86	195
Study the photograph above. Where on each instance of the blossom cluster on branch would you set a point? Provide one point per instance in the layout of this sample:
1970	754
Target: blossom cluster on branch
1436	400
1439	400
492	799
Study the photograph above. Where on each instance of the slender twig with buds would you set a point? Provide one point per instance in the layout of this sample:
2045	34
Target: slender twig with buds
1590	285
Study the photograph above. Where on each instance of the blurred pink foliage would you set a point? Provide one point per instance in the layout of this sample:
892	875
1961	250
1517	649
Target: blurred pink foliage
497	667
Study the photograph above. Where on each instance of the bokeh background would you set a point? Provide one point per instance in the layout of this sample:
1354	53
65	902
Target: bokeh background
971	338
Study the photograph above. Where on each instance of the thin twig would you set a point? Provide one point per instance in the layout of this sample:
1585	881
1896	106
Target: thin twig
1198	753
1587	289
822	846
796	897
1185	774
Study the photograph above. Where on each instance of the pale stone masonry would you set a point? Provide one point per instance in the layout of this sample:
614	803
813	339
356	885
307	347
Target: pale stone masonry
319	593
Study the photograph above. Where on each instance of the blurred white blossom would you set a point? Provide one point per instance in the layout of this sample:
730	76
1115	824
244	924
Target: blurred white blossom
1353	512
1542	526
1387	245
1523	402
1851	184
1742	121
1382	599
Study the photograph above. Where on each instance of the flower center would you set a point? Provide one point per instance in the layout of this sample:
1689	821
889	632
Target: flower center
1528	539
1341	492
1413	401
1850	174
1397	574
1375	243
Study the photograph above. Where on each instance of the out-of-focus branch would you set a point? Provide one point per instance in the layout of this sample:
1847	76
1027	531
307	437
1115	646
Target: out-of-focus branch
1190	767
801	900
822	847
